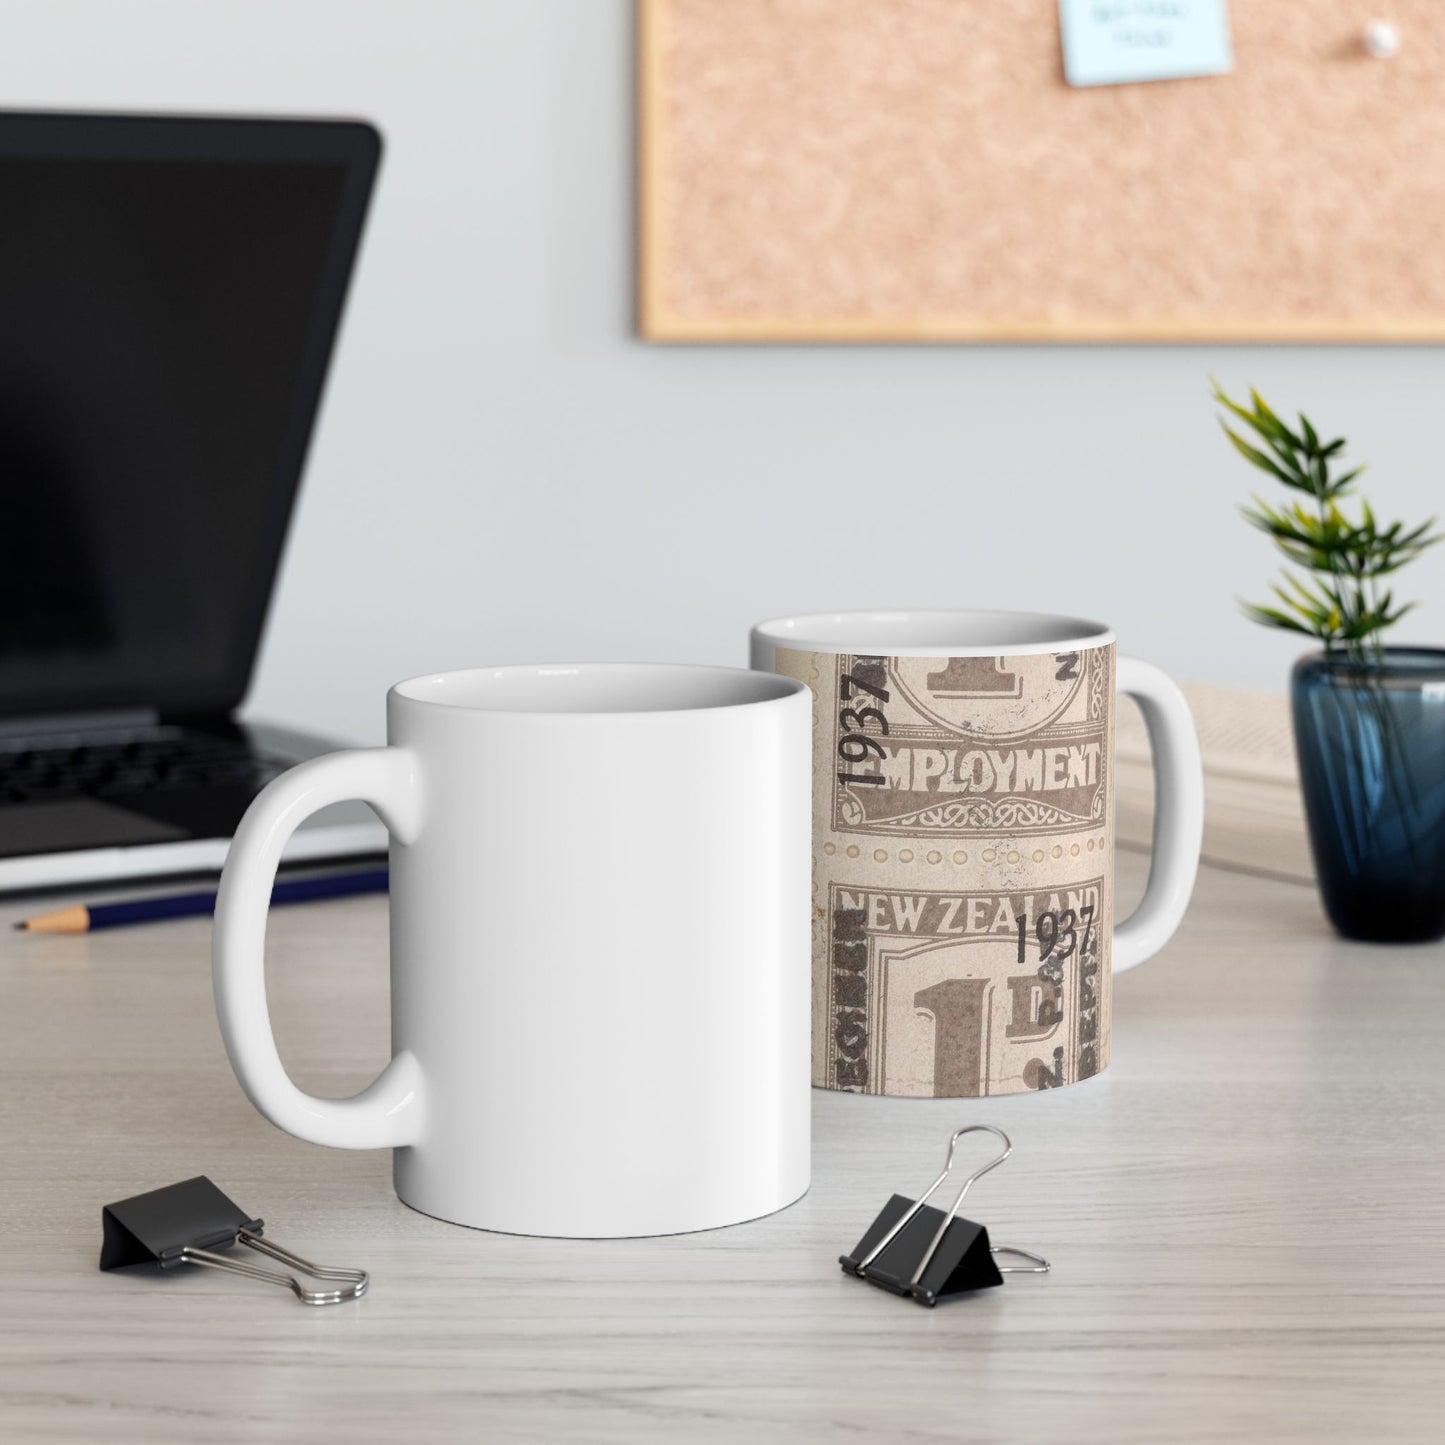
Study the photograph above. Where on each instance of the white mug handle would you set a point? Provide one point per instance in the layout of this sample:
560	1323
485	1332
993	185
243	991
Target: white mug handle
388	1113
1178	813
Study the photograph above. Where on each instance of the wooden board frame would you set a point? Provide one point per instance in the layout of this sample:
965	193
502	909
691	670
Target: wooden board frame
659	321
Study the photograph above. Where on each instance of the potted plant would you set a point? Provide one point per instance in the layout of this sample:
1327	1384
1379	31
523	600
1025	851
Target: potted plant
1369	719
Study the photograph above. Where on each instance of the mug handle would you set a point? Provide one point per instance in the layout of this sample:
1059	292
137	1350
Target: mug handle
1178	813
388	1113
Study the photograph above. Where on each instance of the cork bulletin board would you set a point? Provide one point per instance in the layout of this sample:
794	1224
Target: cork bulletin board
919	170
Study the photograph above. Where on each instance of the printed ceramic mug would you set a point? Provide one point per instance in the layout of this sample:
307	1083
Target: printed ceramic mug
599	951
963	935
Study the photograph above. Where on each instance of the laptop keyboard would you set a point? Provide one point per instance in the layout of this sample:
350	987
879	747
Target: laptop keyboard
161	760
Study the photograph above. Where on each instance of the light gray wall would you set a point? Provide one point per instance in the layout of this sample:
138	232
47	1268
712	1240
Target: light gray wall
503	472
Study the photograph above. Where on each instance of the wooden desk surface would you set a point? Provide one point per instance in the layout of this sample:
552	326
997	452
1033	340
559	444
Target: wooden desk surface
1245	1213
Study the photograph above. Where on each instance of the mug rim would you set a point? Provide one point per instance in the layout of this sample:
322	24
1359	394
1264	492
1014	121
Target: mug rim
847	632
751	689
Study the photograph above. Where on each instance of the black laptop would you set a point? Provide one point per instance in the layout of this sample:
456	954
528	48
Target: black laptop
170	290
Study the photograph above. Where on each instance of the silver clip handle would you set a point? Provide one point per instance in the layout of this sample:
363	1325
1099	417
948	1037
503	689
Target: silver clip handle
1039	1266
357	1279
993	1163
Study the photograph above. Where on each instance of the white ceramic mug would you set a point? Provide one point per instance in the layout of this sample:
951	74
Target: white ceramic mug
963	762
599	947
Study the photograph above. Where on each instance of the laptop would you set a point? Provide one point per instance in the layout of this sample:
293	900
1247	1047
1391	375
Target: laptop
170	290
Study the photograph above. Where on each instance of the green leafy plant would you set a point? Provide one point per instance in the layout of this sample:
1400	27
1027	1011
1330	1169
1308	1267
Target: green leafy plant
1341	599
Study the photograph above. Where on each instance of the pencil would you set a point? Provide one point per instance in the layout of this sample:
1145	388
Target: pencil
80	918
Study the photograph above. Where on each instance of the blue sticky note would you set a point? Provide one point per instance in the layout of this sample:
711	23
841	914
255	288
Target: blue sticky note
1111	42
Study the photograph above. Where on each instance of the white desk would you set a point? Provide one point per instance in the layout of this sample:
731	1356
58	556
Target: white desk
1246	1217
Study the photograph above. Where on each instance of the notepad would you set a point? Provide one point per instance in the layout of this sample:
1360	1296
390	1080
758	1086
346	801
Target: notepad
1111	42
1253	809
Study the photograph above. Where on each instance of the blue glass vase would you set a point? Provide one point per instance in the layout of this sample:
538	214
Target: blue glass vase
1371	743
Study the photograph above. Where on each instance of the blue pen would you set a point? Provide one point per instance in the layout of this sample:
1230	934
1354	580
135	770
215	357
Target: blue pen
81	919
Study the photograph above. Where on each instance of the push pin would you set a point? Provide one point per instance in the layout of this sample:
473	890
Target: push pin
1381	40
187	1223
916	1250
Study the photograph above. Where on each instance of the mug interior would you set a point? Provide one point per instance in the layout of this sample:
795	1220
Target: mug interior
598	687
923	632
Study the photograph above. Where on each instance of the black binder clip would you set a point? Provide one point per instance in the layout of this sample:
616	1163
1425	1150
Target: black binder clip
187	1223
915	1250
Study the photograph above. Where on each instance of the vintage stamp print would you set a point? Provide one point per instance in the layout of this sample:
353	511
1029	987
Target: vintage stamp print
962	869
964	746
950	994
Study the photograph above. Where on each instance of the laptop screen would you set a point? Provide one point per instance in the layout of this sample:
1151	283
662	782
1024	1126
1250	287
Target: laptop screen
169	291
